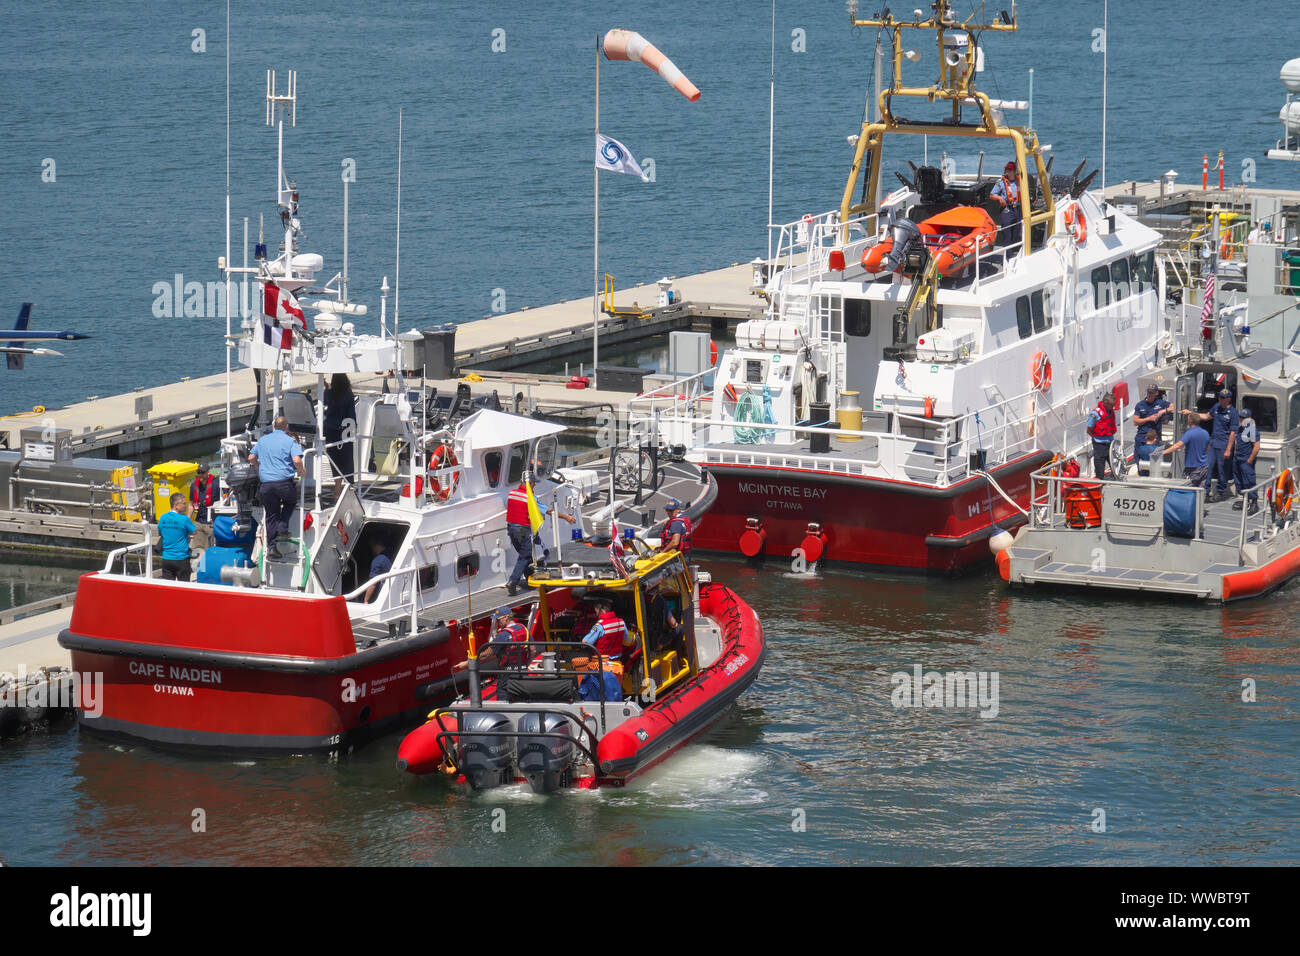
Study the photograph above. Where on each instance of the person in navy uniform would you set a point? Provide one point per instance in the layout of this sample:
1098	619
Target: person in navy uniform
1151	412
380	563
1224	422
1247	452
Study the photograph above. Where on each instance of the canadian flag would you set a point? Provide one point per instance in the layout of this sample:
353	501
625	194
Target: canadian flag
280	305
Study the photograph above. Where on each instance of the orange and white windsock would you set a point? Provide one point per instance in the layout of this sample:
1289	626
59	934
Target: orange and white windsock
626	45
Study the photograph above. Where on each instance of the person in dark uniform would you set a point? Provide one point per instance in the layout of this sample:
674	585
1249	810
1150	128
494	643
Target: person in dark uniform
380	563
340	420
1151	412
1224	422
1247	452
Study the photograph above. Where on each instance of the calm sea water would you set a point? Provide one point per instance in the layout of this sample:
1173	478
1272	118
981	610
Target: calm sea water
1125	706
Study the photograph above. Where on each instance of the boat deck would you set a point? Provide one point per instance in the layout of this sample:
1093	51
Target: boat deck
1123	555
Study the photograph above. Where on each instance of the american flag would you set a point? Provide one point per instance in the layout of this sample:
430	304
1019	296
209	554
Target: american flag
1207	310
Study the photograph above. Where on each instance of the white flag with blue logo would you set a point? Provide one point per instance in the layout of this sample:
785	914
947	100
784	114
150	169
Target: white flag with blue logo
613	155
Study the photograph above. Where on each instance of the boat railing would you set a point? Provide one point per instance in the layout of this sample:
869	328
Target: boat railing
802	248
1060	501
146	546
937	451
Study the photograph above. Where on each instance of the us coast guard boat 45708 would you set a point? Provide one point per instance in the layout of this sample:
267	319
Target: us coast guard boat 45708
924	352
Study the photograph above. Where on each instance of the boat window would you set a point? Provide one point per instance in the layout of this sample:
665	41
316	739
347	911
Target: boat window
384	430
1049	303
545	455
1024	320
1293	412
518	461
1143	266
492	468
428	577
1038	312
466	566
1119	279
1264	410
1101	287
857	317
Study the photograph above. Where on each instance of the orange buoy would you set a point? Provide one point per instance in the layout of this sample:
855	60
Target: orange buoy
1076	223
1040	372
1283	493
752	538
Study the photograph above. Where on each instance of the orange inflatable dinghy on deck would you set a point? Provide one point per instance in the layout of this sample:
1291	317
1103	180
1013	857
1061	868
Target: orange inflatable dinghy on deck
954	237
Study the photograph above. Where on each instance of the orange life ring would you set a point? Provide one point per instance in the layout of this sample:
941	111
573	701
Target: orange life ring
1225	249
1283	493
1040	372
1076	223
443	457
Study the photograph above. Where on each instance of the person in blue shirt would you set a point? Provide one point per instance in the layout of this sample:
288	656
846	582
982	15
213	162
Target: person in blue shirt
1224	423
1196	463
1006	193
1151	412
175	528
278	459
380	563
1247	452
1148	443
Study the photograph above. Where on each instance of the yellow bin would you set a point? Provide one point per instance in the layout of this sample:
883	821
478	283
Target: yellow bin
849	415
169	478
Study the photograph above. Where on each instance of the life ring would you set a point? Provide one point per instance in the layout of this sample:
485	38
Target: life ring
443	457
1040	372
1283	493
1225	250
1076	223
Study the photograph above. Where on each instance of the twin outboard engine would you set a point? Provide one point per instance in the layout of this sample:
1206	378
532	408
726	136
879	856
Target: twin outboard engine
546	762
487	749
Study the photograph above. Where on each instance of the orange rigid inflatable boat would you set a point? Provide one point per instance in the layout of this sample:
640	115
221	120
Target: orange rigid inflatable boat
954	237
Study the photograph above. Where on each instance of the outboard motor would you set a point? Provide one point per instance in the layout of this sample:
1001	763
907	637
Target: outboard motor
546	762
487	749
241	478
906	236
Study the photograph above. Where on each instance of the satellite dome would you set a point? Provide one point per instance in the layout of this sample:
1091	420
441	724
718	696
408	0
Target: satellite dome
1291	75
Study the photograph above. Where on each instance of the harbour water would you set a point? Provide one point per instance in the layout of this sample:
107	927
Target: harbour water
1128	707
1121	735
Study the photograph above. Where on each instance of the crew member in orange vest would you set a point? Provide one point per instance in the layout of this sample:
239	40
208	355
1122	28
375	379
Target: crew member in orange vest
201	494
1006	192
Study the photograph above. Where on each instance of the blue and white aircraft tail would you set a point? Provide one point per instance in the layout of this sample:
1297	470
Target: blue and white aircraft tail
15	352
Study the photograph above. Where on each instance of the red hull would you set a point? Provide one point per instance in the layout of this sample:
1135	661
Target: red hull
634	747
864	520
249	671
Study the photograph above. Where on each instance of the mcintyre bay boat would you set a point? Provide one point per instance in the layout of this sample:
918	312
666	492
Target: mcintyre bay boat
557	715
917	363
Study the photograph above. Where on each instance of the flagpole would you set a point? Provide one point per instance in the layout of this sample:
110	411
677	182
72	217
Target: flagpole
771	125
595	237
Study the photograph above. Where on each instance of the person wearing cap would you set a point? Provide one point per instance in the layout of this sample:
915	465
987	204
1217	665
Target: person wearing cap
1149	413
201	493
1102	428
1263	232
1006	193
1244	463
1223	436
500	650
677	530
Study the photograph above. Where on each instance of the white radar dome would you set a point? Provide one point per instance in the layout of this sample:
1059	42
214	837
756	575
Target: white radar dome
1291	75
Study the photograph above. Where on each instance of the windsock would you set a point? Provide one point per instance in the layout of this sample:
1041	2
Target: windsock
626	45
